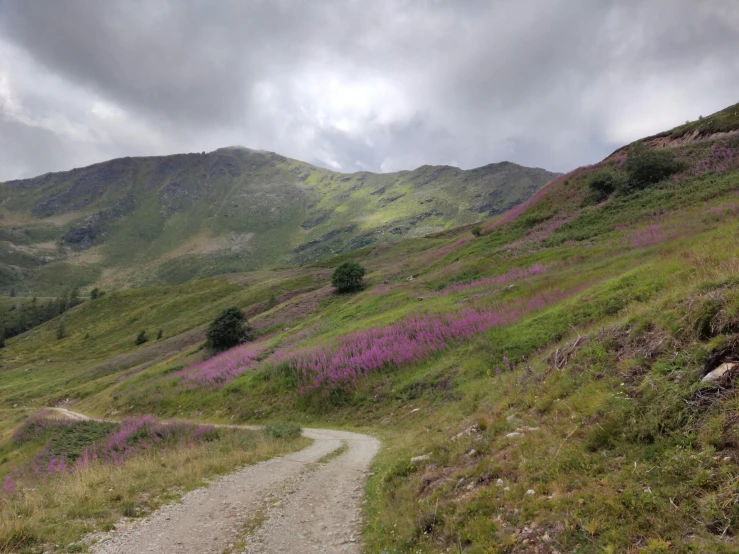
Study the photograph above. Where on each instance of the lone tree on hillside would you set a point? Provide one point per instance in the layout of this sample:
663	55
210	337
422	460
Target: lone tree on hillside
142	338
229	329
348	277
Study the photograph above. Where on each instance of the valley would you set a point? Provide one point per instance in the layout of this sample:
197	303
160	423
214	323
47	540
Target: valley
535	382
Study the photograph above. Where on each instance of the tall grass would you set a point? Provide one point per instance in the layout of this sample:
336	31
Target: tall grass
60	508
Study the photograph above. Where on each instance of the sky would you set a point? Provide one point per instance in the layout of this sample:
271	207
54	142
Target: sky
354	85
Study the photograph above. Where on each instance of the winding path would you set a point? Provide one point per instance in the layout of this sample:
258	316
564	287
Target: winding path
288	504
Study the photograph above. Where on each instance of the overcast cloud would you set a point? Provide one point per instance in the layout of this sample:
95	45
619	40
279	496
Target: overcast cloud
350	85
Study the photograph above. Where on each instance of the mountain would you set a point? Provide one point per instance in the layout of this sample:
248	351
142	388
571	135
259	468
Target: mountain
564	380
170	219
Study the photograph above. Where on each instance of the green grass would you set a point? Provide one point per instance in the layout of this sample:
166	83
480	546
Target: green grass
721	122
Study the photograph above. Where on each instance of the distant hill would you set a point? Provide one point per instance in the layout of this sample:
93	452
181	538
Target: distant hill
170	219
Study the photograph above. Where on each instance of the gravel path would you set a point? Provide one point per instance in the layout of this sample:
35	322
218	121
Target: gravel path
291	504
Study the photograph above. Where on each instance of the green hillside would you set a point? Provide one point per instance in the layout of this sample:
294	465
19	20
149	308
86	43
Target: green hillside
549	371
167	220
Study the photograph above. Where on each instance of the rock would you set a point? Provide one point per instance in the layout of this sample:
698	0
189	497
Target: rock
719	372
419	459
469	431
499	483
514	435
472	452
530	492
414	410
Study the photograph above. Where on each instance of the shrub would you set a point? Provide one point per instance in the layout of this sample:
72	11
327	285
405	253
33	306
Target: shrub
160	334
141	338
61	331
348	277
96	293
646	166
229	329
283	430
477	231
604	182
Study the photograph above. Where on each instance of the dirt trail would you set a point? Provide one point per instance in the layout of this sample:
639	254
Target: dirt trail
291	504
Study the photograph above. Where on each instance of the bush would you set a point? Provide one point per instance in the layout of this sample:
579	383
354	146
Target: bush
604	182
61	331
348	277
283	430
477	231
142	338
160	334
646	166
229	329
96	293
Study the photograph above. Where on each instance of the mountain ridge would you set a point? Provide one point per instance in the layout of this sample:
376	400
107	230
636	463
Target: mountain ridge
185	216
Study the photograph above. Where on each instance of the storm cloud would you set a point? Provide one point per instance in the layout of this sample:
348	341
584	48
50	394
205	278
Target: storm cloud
353	85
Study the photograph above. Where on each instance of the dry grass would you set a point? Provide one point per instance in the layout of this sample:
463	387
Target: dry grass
51	514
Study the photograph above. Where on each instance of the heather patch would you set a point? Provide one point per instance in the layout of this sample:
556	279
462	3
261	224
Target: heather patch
75	444
650	235
223	368
408	341
449	248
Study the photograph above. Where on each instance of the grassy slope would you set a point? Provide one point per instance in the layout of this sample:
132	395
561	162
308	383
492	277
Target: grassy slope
616	444
177	218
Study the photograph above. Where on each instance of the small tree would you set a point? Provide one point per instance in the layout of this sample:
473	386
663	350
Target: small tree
95	293
477	231
348	277
160	334
142	338
61	331
229	329
74	298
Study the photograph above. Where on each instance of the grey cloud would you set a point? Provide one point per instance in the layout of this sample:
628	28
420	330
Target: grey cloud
377	85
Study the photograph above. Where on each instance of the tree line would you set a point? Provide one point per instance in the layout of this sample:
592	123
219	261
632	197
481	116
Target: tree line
21	315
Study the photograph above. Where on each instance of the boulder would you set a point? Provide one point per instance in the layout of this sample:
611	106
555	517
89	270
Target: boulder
719	372
419	459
